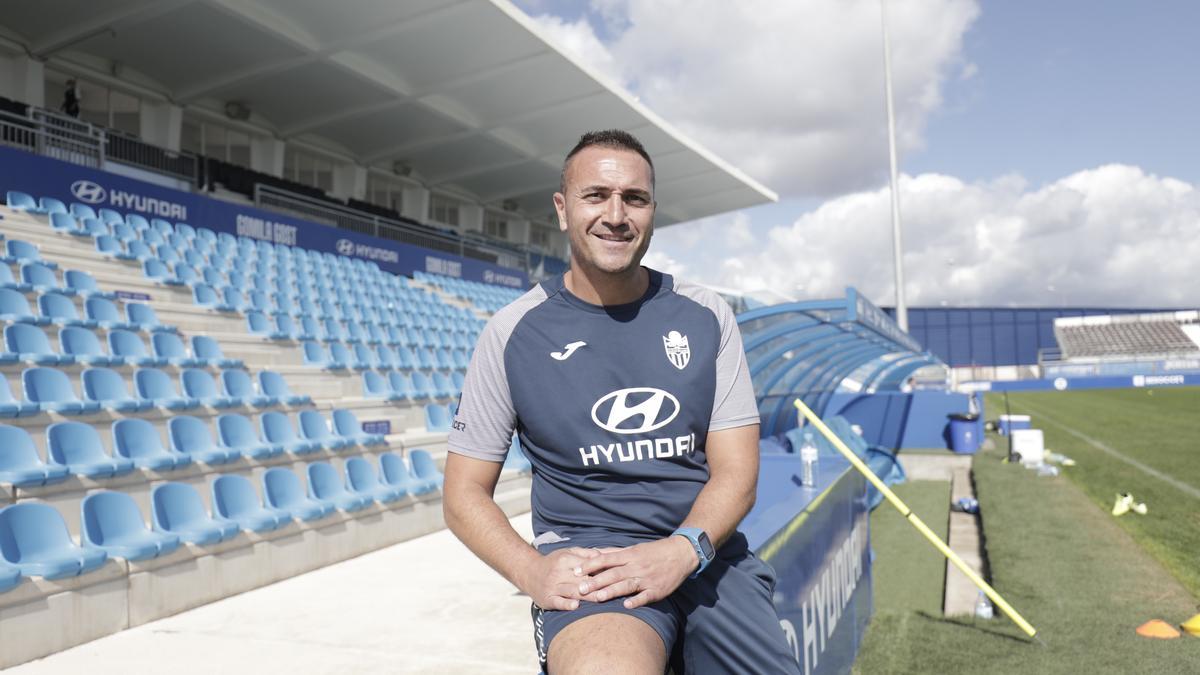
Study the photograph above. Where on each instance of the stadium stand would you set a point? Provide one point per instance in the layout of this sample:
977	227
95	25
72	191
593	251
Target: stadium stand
1156	335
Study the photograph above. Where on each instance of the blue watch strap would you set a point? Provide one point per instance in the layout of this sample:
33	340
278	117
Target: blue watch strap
694	535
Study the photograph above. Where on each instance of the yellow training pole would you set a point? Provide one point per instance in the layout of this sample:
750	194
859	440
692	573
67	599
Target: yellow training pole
914	520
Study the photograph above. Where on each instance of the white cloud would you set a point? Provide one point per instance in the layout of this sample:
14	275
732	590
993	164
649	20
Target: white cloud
663	262
1110	236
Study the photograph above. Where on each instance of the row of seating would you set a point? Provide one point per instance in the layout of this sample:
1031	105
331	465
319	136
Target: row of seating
37	276
284	326
396	385
30	344
60	309
35	540
74	448
485	296
360	356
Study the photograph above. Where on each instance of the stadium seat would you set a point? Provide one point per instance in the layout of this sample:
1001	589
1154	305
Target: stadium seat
282	490
234	499
236	432
29	344
315	355
259	324
138	441
443	385
12	407
104	312
15	308
82	211
111	522
277	429
396	471
107	387
325	485
22	201
51	390
10	577
422	386
60	310
52	205
176	509
364	355
20	464
152	384
84	284
20	252
111	217
342	354
139	250
42	279
424	467
7	280
346	425
204	295
191	437
204	347
137	222
169	346
314	427
236	383
84	347
377	386
144	316
363	479
35	540
272	383
67	224
437	418
199	384
78	447
129	346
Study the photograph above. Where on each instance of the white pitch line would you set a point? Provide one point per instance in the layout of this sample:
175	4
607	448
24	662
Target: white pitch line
1184	487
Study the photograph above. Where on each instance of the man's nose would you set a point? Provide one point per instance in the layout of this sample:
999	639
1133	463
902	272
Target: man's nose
615	211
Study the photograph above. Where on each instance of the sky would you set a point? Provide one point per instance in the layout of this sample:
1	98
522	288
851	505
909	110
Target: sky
1048	151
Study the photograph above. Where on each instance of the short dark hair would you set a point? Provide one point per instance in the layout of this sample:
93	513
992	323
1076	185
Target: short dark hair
618	139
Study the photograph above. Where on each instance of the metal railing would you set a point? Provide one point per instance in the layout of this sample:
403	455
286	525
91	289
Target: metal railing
129	149
79	143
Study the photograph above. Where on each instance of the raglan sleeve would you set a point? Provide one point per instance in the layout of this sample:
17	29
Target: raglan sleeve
484	422
733	404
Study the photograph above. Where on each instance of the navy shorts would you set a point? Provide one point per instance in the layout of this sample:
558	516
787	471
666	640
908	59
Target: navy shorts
722	622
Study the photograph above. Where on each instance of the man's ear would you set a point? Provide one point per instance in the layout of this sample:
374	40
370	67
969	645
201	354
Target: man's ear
560	208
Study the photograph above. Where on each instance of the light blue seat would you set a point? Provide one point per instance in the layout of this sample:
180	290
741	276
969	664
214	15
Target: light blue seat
78	447
110	521
83	345
236	383
515	459
234	499
104	312
204	347
259	324
386	357
138	441
282	490
35	540
346	424
52	205
7	280
205	295
396	471
144	316
139	250
67	224
426	359
15	308
121	230
422	386
81	211
51	390
342	354
236	432
443	385
129	346
152	384
458	379
233	298
277	429
363	479
22	201
158	271
200	385
12	407
325	485
137	222
377	386
10	577
20	464
176	509
42	279
111	217
170	346
314	427
315	355
364	354
29	344
424	467
60	310
18	251
191	436
271	383
437	418
107	387
84	284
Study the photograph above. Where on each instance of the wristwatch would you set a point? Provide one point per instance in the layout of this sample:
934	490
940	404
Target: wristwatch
704	548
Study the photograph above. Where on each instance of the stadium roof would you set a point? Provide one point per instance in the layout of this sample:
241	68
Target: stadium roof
469	94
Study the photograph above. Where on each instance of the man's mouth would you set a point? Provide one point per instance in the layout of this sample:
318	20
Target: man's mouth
613	236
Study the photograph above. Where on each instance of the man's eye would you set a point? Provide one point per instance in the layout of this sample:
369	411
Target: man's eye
593	196
636	199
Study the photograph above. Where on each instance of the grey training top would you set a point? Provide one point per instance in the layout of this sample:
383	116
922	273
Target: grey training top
611	404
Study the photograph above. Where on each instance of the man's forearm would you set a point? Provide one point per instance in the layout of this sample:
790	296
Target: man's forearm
721	505
475	518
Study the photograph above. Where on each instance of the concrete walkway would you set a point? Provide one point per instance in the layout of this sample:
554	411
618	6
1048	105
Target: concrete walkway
423	606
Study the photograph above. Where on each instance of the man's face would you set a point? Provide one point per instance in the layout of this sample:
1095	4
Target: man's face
607	209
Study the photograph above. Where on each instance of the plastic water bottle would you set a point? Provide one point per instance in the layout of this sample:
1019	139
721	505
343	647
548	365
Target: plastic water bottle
983	607
808	463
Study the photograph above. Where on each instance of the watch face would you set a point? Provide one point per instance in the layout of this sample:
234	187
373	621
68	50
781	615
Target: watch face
706	546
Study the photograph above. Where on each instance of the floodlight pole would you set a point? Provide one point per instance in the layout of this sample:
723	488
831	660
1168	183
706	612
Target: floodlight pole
897	248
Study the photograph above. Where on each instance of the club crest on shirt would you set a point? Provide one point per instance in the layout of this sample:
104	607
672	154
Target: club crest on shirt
678	352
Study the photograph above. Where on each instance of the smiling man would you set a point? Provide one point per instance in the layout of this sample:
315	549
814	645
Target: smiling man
630	394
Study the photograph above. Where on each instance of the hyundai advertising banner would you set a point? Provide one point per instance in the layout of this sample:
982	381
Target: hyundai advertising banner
817	540
45	177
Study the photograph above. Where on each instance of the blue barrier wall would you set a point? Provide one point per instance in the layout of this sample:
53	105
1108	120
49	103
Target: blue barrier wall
1067	383
901	420
45	177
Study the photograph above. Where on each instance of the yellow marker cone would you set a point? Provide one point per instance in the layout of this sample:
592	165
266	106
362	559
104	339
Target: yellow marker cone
915	521
1192	626
1159	629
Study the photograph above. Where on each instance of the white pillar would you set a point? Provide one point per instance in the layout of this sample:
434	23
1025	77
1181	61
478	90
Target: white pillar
24	79
266	155
350	182
414	203
161	124
470	218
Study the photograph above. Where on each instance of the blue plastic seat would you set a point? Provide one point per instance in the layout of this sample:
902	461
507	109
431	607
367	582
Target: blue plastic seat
111	522
83	345
129	346
78	447
15	308
60	310
10	577
42	279
365	355
346	424
200	385
7	280
19	251
437	418
29	344
277	429
156	270
67	224
110	216
22	201
396	471
376	386
152	384
259	324
139	250
138	441
107	387
144	316
52	205
20	464
424	467
81	211
282	490
170	346
137	222
35	540
363	479
12	407
236	383
176	509
325	485
104	312
271	383
51	390
234	499
314	427
204	295
204	347
237	433
315	355
340	353
443	385
191	437
85	285
422	386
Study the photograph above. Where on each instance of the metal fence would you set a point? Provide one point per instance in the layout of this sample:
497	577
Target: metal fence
78	144
132	150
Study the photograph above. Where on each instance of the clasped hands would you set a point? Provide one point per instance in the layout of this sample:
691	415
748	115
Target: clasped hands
643	573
